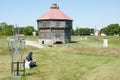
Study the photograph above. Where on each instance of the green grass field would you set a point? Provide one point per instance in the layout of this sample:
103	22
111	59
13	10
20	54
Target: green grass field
79	60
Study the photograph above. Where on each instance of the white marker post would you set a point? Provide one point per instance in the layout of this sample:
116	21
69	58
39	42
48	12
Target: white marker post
105	42
34	33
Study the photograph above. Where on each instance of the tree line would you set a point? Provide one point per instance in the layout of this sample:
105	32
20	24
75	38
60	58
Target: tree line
6	29
82	31
110	30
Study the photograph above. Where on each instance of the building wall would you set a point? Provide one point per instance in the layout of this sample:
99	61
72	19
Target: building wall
67	35
57	24
51	32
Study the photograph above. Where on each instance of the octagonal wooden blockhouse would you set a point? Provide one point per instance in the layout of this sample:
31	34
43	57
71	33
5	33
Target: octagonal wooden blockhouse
54	26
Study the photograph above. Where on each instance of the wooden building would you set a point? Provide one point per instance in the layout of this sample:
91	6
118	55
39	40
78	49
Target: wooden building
54	26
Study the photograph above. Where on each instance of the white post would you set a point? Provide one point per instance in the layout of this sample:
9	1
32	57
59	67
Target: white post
85	37
105	42
34	33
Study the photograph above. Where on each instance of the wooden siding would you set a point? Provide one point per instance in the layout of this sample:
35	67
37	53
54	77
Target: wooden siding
58	24
53	31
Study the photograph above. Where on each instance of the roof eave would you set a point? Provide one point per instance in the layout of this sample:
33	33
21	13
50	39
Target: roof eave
54	19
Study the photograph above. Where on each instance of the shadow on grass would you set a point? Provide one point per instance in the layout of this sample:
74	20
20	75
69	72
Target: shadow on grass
24	77
74	42
32	73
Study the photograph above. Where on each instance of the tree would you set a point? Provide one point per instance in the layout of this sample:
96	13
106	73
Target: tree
77	31
84	31
37	32
72	32
112	29
18	30
28	30
3	25
5	29
21	30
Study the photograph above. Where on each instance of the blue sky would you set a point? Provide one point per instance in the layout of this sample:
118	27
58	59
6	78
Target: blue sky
85	13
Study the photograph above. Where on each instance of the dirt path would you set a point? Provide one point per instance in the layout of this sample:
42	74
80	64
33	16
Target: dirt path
33	43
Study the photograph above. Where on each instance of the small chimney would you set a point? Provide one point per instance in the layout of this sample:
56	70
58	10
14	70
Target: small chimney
54	6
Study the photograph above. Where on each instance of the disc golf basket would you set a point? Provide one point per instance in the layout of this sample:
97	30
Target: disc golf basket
16	47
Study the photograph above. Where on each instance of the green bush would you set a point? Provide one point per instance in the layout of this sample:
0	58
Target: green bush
28	30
